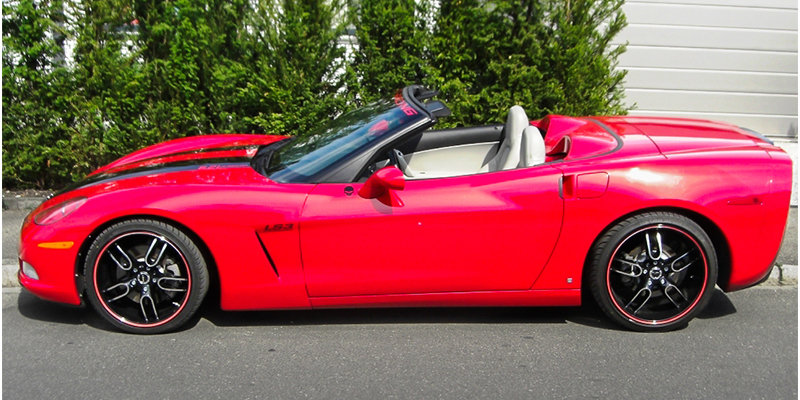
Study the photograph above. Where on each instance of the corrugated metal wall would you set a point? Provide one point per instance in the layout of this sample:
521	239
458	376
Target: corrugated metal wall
726	60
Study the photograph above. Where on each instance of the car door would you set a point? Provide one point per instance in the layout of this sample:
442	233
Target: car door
483	232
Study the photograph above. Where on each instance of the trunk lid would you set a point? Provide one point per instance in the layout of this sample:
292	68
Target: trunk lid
676	135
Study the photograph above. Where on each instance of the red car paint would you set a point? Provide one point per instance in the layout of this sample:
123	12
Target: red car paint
515	237
190	146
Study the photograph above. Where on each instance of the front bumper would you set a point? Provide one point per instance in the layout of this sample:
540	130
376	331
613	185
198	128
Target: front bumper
55	267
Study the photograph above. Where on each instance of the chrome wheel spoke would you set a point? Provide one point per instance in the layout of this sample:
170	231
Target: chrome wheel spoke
146	296
642	290
675	288
125	266
635	272
119	285
148	258
655	247
171	289
686	264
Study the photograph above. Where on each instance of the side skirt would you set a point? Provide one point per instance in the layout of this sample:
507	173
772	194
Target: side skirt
521	298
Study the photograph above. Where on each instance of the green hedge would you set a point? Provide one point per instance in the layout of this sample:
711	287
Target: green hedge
145	71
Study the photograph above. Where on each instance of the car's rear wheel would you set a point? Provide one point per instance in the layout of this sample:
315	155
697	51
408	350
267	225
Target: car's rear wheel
653	272
145	276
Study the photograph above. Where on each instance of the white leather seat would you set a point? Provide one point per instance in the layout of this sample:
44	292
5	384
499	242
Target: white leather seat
508	154
533	151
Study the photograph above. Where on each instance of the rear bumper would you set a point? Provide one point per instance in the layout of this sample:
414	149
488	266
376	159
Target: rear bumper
765	244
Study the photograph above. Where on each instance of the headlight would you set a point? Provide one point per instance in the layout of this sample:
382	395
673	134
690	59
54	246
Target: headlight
57	212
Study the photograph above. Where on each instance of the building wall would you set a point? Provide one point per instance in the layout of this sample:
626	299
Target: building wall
726	60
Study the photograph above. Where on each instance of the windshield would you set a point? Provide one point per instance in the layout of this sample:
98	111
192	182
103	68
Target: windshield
305	156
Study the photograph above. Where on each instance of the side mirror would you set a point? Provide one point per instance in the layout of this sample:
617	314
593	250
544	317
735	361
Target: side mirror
382	184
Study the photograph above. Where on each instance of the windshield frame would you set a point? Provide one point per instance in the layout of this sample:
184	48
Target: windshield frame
404	101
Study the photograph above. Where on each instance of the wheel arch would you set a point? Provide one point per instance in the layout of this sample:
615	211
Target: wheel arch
718	239
214	286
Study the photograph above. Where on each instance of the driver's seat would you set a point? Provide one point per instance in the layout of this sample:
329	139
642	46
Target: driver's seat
508	153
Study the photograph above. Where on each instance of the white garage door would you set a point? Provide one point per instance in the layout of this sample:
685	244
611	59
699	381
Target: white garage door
726	60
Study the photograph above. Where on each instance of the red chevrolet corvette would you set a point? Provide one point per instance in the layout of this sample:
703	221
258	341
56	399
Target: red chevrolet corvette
377	209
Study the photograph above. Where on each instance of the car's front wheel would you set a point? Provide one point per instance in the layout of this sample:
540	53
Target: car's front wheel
145	276
654	271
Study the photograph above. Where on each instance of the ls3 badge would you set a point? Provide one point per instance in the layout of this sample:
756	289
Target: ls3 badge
279	227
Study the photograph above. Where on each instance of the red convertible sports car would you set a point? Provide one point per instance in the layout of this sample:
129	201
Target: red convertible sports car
377	209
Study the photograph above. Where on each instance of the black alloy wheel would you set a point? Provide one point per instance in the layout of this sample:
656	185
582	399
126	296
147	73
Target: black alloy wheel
654	271
145	276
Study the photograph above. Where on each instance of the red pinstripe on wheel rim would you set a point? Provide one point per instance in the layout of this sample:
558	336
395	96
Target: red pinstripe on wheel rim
632	275
140	274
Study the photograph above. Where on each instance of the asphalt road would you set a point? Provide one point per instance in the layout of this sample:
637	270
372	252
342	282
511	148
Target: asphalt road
743	346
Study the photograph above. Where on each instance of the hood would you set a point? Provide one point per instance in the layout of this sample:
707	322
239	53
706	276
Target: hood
191	148
200	153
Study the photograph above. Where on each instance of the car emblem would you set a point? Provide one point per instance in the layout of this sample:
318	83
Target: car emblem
348	190
143	278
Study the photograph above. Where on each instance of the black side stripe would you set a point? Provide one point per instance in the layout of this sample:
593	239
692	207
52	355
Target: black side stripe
272	263
176	166
200	151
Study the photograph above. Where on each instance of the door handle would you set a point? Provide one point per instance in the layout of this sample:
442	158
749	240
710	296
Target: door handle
566	187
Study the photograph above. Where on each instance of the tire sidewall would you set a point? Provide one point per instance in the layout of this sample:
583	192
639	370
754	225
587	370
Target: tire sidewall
196	266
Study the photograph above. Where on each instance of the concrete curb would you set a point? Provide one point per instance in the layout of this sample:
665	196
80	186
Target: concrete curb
782	275
10	276
22	203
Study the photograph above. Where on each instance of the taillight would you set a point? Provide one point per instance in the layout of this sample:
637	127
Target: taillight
57	212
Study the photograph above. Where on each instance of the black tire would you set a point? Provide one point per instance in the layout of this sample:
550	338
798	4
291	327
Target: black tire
653	272
145	276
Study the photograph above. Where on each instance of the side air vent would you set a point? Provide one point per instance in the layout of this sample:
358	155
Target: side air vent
266	253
